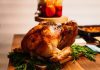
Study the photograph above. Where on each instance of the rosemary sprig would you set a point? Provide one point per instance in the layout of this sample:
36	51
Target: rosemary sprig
78	50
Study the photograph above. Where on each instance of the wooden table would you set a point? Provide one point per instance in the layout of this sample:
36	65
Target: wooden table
81	64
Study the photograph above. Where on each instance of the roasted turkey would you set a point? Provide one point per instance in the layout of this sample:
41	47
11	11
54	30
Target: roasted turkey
51	40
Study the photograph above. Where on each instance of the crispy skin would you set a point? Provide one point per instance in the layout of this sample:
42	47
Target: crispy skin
68	34
50	40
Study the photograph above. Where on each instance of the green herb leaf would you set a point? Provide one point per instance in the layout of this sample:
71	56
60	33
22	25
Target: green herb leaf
78	50
21	67
23	61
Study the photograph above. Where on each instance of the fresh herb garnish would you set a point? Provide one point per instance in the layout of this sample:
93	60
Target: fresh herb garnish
78	50
24	61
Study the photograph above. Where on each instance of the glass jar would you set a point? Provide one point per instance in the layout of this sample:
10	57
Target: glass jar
50	8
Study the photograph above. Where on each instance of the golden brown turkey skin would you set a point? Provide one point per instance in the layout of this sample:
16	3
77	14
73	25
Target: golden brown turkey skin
52	40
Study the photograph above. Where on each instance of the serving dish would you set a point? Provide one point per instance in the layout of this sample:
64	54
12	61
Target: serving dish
89	31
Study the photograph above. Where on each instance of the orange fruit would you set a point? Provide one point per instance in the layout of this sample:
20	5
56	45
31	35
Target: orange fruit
58	11
50	10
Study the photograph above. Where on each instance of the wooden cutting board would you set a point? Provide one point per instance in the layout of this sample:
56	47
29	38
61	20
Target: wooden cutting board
81	64
61	19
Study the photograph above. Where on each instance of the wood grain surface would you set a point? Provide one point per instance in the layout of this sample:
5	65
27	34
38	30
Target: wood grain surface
55	19
81	64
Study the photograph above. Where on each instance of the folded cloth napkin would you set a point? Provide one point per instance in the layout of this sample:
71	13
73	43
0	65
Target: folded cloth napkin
80	41
98	38
93	47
